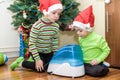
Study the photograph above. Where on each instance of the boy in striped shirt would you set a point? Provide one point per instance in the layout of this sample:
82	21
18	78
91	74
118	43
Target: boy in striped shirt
43	40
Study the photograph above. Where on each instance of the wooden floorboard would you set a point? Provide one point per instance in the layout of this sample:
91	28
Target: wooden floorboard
24	74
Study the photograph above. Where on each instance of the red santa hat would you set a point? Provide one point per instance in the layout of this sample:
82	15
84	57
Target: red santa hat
46	6
85	19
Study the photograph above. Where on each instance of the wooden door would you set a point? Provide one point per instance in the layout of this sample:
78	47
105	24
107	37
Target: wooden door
113	31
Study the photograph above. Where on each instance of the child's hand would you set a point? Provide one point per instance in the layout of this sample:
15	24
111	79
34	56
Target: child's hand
94	62
39	65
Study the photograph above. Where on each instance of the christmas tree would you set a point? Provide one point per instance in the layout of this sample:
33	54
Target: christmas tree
26	13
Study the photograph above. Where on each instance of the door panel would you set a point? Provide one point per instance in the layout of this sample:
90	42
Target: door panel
113	31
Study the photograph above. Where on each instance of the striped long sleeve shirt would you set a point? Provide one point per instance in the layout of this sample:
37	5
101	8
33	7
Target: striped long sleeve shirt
43	37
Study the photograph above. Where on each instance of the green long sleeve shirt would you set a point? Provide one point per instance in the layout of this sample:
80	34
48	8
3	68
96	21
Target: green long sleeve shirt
94	46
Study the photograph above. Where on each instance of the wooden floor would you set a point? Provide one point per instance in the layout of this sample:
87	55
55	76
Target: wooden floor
20	74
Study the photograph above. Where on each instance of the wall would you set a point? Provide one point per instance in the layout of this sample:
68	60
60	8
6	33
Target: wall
9	39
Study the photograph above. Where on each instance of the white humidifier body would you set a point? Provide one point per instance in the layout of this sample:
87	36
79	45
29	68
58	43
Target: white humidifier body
67	61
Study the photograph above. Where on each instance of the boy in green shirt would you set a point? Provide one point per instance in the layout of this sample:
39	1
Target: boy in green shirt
95	48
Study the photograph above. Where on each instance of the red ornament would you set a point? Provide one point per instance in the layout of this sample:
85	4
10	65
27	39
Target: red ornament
20	28
69	28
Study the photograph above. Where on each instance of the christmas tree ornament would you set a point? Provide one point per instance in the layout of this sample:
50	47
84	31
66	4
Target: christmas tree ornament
3	58
24	15
25	36
20	29
70	27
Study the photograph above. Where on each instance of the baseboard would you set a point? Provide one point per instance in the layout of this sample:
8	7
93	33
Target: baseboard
12	54
10	51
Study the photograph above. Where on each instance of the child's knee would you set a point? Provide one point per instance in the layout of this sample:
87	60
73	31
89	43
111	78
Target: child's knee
98	71
103	72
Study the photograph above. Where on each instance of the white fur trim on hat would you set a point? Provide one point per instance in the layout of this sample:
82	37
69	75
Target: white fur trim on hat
52	8
83	26
45	12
